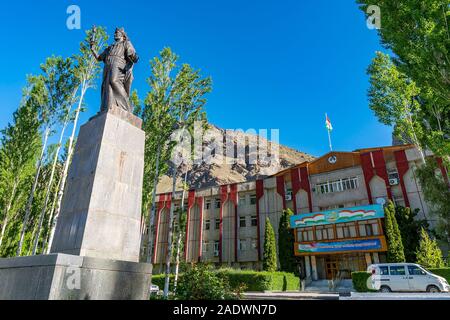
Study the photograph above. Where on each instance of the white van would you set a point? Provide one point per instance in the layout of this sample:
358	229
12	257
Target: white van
387	277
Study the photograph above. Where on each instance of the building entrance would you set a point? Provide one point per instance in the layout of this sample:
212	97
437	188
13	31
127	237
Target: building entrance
341	265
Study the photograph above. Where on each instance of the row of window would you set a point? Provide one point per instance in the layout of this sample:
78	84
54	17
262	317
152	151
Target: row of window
242	202
343	230
242	223
337	185
243	245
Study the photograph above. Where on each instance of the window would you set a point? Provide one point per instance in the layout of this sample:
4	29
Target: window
205	246
346	230
242	222
368	228
216	248
337	185
241	245
207	224
416	271
397	270
253	199
254	221
254	244
384	271
324	232
208	204
217	224
305	234
242	201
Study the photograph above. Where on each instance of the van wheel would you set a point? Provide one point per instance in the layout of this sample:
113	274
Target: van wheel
433	289
385	289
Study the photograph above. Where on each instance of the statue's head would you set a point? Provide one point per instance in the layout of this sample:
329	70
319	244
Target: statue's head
120	35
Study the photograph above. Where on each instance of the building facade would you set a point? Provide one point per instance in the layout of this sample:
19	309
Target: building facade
337	201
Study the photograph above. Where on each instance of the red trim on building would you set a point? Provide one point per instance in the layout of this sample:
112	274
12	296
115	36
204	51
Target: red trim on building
234	199
160	207
305	185
443	170
191	202
366	164
199	201
402	167
295	178
281	190
223	199
380	169
259	195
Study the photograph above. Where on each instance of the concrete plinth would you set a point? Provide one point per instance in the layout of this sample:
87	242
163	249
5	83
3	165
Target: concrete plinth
68	277
95	250
101	209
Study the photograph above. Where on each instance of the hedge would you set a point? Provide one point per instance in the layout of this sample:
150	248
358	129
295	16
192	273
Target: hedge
359	280
261	281
254	281
443	272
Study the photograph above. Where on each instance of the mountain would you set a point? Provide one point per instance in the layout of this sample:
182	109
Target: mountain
220	173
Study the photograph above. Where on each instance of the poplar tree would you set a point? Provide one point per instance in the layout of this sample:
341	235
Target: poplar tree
270	250
19	150
286	243
428	253
395	251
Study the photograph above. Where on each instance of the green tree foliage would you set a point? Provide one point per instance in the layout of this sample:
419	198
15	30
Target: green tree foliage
19	150
410	227
428	253
392	98
286	243
201	282
437	193
394	239
418	33
270	250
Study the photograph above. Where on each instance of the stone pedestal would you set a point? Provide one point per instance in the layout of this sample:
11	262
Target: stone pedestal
67	277
98	230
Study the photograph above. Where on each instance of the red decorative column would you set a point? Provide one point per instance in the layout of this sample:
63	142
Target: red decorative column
305	185
366	164
259	195
223	199
380	169
443	170
191	202
281	190
234	199
295	178
159	208
200	229
402	167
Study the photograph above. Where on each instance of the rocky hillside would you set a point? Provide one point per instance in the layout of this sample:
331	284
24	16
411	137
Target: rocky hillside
219	173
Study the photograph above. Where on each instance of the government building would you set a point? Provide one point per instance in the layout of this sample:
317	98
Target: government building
337	201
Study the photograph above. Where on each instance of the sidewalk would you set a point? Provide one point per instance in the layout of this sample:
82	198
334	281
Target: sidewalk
292	295
396	296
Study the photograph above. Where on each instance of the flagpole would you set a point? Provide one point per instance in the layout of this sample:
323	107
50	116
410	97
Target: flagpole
329	132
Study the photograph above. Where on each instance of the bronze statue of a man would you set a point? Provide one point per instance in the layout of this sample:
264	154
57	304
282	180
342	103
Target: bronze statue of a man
118	59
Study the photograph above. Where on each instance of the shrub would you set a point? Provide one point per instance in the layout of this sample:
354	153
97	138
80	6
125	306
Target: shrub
394	239
359	280
443	272
159	280
201	282
428	253
254	281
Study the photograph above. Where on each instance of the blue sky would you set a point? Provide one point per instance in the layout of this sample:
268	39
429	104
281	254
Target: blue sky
275	64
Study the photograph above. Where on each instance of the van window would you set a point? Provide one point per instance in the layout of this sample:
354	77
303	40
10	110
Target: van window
384	271
415	271
397	271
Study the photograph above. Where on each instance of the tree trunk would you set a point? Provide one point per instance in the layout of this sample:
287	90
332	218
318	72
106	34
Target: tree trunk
153	209
170	236
49	187
180	236
31	196
50	219
66	169
6	220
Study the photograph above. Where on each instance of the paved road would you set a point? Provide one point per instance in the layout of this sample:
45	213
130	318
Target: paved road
335	296
397	296
290	296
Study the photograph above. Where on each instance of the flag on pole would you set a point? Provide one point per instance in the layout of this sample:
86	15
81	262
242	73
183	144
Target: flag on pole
328	123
